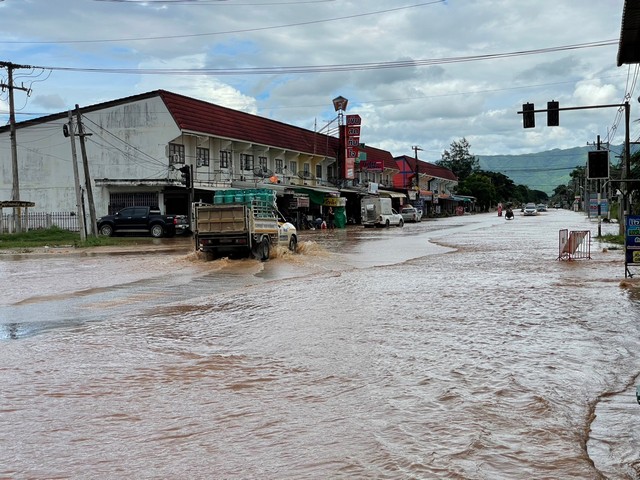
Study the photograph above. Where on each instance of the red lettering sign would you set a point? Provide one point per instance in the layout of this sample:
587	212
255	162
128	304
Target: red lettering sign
354	120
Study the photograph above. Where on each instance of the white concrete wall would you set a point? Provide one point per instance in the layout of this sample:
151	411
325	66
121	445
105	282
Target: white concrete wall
127	142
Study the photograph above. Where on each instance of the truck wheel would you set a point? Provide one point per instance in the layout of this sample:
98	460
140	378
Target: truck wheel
386	225
106	230
401	224
265	249
293	244
157	231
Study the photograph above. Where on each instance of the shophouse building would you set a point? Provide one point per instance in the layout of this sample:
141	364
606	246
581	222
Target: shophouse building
139	150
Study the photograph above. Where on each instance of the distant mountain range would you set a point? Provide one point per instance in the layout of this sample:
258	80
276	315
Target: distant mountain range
544	170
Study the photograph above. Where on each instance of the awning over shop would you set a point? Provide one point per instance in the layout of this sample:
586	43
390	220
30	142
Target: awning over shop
359	191
426	195
330	190
459	198
208	188
390	194
316	194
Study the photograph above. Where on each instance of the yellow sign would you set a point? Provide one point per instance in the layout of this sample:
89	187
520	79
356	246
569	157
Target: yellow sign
335	202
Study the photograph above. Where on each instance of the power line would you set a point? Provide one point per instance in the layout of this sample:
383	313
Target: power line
347	67
212	2
245	30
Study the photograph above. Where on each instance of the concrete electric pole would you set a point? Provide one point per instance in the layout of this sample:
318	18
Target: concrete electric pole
415	154
87	177
15	190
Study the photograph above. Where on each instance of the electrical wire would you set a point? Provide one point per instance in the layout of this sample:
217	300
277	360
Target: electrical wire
222	3
229	32
347	67
149	158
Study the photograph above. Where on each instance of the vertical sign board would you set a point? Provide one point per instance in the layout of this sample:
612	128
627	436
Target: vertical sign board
354	123
632	240
593	206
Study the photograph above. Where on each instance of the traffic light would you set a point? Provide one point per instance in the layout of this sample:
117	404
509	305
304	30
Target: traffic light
598	164
553	114
528	116
186	175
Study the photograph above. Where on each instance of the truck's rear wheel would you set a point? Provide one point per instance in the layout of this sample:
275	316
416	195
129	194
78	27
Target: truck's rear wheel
293	244
157	231
262	250
265	249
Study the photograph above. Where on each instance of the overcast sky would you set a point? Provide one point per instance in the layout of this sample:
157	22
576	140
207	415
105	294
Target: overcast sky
436	71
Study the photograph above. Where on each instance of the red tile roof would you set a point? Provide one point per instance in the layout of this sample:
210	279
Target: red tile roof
202	117
382	156
427	168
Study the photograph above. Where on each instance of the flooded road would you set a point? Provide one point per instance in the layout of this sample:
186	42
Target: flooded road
452	348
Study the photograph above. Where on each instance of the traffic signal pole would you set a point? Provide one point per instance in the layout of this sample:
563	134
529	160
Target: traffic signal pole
528	111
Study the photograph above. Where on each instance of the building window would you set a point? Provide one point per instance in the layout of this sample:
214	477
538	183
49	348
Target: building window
318	171
246	161
202	157
225	157
293	168
262	161
176	153
331	173
279	164
307	169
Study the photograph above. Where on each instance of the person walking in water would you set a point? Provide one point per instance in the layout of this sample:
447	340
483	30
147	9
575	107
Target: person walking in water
330	217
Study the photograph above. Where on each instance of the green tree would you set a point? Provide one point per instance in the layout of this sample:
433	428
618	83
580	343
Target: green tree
480	186
459	160
504	186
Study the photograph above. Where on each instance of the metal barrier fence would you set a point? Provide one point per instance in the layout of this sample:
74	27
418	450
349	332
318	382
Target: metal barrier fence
574	245
39	220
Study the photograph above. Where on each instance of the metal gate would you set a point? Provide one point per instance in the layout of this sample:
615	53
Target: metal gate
574	245
118	201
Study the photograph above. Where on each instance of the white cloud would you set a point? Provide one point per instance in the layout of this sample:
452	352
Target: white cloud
430	103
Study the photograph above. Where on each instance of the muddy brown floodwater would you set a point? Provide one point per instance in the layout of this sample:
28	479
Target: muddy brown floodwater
451	348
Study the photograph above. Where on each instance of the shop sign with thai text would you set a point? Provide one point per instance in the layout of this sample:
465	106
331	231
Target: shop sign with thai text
352	142
632	239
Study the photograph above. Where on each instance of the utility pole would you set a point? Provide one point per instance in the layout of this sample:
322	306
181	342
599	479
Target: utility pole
415	155
87	177
15	190
79	204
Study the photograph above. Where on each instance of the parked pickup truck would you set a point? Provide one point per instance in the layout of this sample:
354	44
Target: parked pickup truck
377	212
146	220
247	225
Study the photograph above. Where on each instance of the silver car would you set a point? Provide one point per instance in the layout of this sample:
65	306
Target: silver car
410	213
530	209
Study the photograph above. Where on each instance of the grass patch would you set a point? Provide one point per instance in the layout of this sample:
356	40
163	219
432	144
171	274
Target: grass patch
610	238
57	237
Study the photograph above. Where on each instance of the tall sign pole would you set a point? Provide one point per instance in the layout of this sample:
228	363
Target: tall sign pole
340	105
